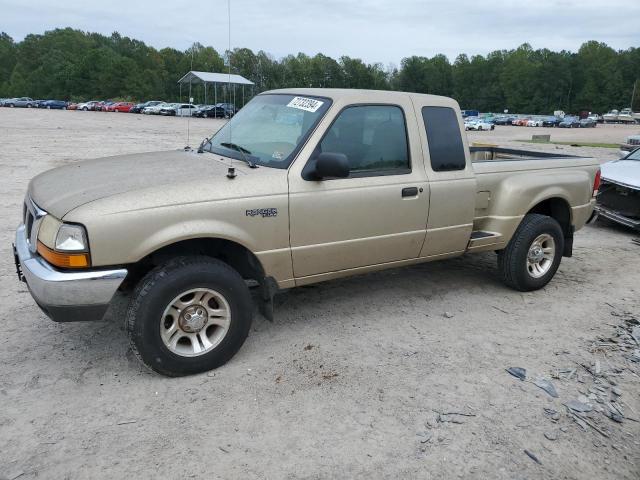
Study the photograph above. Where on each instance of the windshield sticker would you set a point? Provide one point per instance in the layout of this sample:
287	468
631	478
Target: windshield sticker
278	155
307	104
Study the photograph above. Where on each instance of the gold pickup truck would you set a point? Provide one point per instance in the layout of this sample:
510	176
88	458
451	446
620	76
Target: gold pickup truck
301	186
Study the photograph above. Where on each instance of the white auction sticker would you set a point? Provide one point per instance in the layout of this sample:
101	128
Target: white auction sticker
303	103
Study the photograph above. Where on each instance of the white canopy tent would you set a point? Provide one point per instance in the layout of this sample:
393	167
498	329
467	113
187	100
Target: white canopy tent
222	79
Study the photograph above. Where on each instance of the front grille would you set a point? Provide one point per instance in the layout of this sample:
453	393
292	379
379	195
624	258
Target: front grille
28	223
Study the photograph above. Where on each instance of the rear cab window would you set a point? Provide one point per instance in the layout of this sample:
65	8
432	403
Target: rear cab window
444	137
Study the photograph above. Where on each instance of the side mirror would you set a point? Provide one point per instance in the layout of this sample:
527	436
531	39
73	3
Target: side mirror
331	165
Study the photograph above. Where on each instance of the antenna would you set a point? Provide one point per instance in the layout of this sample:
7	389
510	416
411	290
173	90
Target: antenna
189	116
229	74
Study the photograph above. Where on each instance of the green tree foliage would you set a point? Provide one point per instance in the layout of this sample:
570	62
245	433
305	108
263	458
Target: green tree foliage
71	64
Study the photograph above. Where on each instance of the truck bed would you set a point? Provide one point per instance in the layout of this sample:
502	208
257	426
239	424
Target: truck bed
490	159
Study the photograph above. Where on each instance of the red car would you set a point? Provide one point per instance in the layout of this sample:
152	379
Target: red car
122	107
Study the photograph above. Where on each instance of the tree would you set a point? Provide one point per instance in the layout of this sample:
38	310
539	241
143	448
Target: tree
72	64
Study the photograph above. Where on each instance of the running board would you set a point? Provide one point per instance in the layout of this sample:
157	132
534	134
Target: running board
480	239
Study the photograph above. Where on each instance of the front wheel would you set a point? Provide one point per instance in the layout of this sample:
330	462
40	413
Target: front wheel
188	316
533	254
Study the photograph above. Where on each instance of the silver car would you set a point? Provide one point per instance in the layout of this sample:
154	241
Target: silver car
20	102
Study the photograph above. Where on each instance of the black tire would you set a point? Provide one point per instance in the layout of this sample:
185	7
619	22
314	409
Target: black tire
512	261
85	109
152	295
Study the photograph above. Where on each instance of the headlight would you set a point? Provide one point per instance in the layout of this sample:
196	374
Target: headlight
63	245
71	238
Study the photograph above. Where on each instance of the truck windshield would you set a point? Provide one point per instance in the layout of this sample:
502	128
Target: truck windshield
270	129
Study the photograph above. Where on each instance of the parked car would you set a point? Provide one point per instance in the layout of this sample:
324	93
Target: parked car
520	122
123	107
210	111
72	106
178	109
302	204
155	109
102	106
503	120
109	106
551	121
141	106
88	105
38	103
54	104
588	123
619	193
535	122
569	122
229	108
24	102
630	143
480	125
597	117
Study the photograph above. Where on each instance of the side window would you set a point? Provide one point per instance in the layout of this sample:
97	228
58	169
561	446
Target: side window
445	139
373	137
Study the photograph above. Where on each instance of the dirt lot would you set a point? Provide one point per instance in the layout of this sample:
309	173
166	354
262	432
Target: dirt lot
349	380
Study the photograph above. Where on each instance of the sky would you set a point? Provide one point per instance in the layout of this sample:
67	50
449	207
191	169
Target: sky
374	30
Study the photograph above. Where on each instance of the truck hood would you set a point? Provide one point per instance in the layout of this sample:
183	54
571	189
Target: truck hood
63	189
623	172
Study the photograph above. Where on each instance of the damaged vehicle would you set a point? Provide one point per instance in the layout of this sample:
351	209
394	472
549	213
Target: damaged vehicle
619	193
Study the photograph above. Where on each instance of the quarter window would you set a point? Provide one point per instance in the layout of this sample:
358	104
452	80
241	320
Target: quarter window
445	140
373	137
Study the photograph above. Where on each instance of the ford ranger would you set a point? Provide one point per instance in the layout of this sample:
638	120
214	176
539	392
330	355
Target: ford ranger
301	186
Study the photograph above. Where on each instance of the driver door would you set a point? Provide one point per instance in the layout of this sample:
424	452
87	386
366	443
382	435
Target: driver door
379	213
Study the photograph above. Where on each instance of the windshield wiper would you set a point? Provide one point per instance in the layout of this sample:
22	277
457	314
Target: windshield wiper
243	151
235	146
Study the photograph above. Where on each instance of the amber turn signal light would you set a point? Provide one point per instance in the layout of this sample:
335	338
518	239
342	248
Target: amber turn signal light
63	259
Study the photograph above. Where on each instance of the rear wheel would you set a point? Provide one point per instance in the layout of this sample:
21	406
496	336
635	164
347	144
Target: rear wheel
533	254
189	315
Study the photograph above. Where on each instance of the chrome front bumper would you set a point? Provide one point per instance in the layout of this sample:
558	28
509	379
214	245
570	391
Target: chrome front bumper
65	296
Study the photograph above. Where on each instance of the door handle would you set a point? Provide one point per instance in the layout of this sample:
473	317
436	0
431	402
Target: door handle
410	191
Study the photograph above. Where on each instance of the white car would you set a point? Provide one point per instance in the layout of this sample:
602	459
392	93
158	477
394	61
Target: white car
479	125
534	122
179	109
87	105
154	109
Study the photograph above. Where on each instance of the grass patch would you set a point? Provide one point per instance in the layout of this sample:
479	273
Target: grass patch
575	144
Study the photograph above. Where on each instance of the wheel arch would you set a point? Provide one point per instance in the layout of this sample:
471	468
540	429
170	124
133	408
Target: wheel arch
559	209
234	254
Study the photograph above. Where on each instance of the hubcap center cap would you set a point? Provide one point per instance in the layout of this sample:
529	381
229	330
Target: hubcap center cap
193	319
536	254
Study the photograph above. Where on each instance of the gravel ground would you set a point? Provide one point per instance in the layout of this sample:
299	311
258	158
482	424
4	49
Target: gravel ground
349	379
